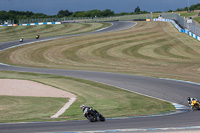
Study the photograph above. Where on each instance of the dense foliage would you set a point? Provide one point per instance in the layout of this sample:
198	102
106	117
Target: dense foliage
18	15
191	8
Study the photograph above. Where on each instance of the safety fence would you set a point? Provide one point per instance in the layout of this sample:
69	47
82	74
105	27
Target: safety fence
6	22
179	28
185	23
88	19
41	21
9	25
44	23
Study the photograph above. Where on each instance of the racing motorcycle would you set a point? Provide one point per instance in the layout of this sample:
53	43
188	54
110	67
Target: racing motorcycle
93	115
37	37
195	104
21	39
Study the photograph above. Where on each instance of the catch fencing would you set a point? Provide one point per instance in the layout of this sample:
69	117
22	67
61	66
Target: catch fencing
178	27
6	22
87	19
184	23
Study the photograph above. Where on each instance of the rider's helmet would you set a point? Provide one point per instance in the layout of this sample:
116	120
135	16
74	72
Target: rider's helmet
188	98
82	106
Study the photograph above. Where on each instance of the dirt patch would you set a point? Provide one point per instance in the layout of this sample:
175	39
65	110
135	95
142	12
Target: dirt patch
14	87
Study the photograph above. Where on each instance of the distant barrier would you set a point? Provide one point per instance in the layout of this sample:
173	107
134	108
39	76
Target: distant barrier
44	23
178	27
88	19
185	23
9	25
6	22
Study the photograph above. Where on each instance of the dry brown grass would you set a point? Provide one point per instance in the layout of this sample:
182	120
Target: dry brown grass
150	48
15	33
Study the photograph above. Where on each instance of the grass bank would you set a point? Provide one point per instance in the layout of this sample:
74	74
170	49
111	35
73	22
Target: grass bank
186	14
153	49
29	32
19	109
197	19
104	98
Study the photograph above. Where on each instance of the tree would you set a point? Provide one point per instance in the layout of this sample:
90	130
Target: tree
93	13
170	11
195	7
137	10
107	12
63	13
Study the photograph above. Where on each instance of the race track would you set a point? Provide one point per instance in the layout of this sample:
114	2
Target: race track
169	90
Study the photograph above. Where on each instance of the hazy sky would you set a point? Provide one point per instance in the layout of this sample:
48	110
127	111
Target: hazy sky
51	7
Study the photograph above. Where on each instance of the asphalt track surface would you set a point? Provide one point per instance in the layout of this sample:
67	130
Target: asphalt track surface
173	91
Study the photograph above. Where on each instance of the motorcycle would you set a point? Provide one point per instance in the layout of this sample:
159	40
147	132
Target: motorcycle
37	37
195	104
21	40
93	115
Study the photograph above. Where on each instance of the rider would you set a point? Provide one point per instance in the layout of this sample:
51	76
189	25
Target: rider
37	36
21	39
190	99
86	108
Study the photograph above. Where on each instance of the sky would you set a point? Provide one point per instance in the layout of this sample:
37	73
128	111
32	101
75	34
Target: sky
51	7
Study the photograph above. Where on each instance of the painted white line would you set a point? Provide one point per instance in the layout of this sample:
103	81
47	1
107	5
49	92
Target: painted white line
64	108
31	43
134	24
103	28
135	130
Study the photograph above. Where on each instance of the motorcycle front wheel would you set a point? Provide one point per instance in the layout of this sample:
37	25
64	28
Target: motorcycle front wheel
101	117
197	106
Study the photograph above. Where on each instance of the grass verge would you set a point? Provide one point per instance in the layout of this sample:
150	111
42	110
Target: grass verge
197	19
19	109
104	98
154	49
29	32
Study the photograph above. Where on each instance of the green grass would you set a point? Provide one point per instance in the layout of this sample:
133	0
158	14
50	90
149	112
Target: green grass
154	49
197	19
18	109
28	32
104	98
188	14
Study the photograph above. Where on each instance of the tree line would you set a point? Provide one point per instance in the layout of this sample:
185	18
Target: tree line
191	8
19	15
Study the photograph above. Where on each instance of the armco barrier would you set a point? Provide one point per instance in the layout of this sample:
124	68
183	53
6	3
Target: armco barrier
41	23
179	29
9	25
33	24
